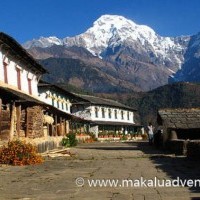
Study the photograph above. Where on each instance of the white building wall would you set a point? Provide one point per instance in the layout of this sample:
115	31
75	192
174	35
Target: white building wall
48	96
89	114
1	68
12	66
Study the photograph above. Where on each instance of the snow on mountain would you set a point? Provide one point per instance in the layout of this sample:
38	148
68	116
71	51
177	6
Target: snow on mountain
114	30
43	42
108	26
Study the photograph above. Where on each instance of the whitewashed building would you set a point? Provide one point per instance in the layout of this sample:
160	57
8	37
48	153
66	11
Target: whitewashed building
18	70
23	115
55	96
105	115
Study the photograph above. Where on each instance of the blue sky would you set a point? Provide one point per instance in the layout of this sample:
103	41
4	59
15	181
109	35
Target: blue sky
25	20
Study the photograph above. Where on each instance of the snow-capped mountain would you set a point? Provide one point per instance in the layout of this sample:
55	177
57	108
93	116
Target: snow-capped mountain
43	42
190	69
137	52
113	30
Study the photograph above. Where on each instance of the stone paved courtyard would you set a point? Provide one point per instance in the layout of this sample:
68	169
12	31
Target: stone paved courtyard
55	178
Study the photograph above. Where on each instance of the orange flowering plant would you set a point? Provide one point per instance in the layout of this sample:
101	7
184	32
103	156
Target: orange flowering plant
19	153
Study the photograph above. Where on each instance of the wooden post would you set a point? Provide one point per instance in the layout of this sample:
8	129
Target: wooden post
67	127
27	123
48	133
56	123
12	123
0	114
64	133
18	115
51	128
61	127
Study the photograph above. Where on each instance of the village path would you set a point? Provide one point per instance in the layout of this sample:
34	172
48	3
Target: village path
56	177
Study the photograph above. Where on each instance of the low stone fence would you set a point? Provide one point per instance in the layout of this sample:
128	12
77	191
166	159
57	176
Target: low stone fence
193	149
189	148
178	146
46	143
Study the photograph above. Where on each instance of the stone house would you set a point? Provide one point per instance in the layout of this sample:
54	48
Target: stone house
179	127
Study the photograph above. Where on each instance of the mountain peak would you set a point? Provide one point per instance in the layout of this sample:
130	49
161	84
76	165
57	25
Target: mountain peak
43	42
111	31
112	19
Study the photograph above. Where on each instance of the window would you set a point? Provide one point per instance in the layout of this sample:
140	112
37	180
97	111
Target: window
122	114
18	79
52	101
58	104
128	118
109	113
115	114
96	112
29	86
103	112
5	72
66	106
62	106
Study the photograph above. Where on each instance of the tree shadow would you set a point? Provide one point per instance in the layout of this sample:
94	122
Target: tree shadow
174	165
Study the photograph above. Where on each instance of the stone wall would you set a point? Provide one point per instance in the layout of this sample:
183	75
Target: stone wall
34	122
193	149
177	146
45	144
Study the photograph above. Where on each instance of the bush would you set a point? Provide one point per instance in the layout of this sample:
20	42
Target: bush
19	153
144	136
70	140
124	137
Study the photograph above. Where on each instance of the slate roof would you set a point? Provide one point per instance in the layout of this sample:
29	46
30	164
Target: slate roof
14	95
179	118
101	101
8	43
45	85
9	94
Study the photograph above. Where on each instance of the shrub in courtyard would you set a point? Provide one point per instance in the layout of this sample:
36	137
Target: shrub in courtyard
19	153
124	137
70	140
144	136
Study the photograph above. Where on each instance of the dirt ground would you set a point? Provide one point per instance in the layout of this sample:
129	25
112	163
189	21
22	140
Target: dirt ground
57	177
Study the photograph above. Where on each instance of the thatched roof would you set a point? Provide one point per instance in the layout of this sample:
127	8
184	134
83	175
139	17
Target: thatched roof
179	118
7	43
